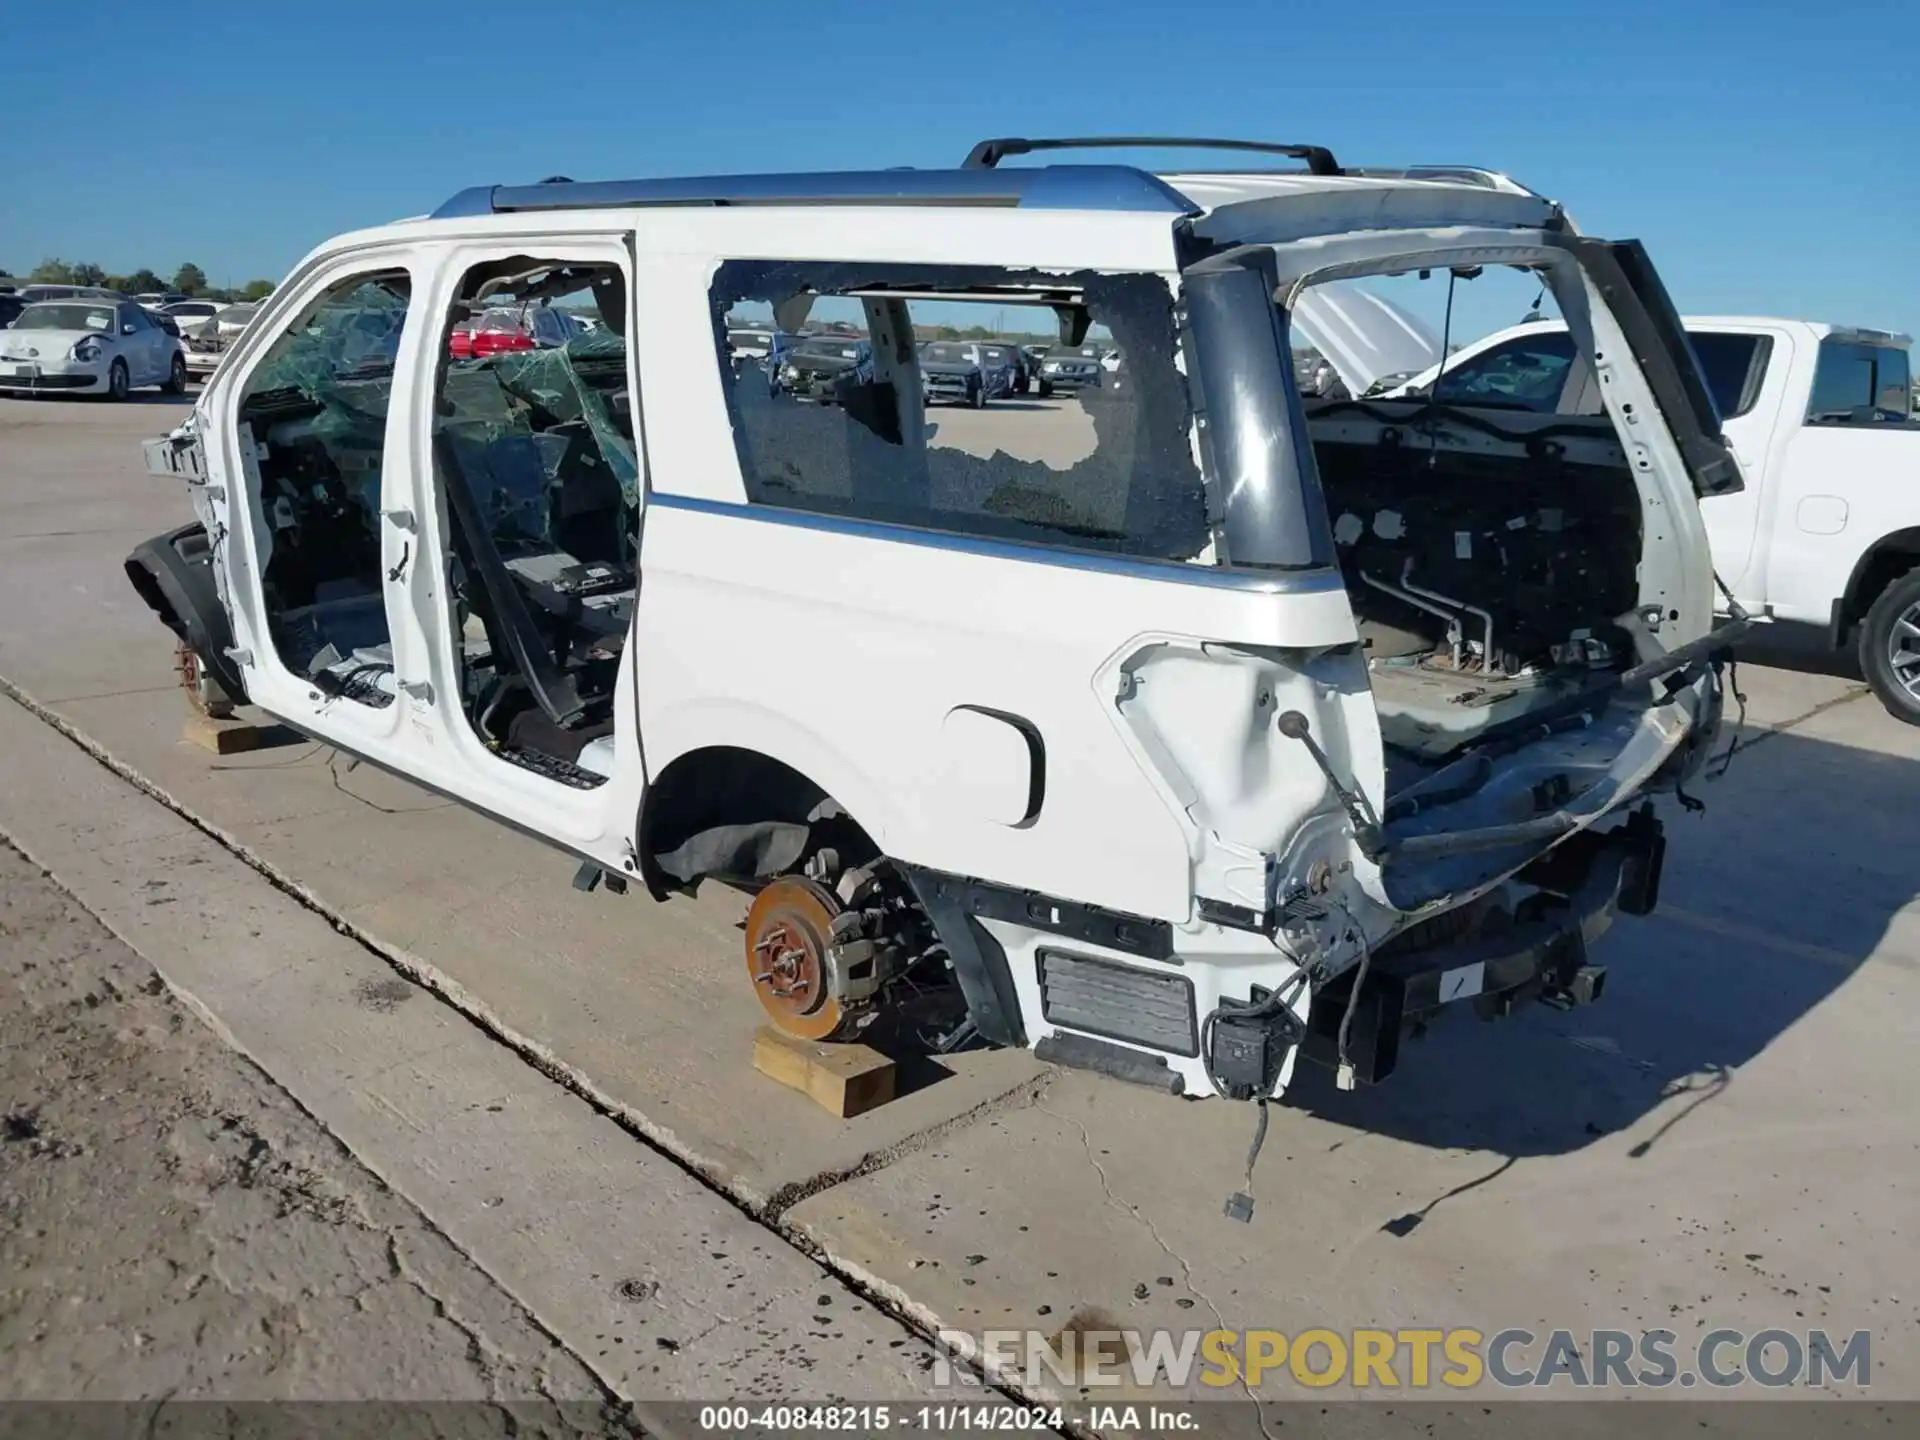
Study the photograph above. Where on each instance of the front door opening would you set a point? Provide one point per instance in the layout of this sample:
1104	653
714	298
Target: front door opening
314	416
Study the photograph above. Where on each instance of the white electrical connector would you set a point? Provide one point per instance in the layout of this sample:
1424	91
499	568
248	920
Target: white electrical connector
1343	1078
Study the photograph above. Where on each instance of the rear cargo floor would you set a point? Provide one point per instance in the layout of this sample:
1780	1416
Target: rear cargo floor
1429	710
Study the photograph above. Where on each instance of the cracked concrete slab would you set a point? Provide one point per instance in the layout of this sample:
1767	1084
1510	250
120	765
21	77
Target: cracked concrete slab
661	1286
175	1225
1778	699
644	1000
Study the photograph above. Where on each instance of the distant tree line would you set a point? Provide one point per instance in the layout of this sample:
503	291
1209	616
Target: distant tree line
955	332
189	279
978	332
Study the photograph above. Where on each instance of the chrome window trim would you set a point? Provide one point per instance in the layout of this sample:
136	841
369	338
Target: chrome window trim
1318	581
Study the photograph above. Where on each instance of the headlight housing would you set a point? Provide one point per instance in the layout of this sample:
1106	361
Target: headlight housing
88	350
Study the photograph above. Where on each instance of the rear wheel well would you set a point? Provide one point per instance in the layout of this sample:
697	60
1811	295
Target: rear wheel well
727	813
1885	563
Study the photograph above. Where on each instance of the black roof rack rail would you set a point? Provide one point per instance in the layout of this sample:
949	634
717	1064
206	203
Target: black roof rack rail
989	153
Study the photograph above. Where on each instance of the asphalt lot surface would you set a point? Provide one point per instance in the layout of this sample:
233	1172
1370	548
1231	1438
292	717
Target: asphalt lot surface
1723	1141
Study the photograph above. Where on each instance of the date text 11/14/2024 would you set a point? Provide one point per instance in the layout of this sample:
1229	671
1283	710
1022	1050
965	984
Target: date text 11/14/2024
938	1418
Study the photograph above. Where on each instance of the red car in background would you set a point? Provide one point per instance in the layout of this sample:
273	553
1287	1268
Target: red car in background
513	327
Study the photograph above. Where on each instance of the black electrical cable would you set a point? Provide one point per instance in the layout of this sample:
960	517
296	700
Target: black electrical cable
1446	339
1739	723
1359	979
1240	1204
1253	1154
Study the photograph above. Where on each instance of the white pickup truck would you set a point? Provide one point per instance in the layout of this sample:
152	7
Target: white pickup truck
1825	538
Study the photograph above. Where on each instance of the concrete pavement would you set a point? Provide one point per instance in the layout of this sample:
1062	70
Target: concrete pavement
596	1234
177	1227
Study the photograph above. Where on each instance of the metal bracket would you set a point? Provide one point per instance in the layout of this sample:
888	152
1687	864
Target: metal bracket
176	459
419	690
402	518
240	657
588	877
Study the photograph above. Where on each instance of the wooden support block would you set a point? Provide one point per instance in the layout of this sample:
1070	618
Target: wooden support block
843	1080
229	737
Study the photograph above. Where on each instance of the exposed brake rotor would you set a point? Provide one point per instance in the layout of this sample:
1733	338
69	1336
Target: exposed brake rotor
789	930
202	691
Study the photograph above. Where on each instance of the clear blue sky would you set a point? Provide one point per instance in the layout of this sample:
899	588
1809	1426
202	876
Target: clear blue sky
1768	153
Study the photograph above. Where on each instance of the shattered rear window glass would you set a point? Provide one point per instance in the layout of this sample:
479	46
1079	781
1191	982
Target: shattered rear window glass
1108	469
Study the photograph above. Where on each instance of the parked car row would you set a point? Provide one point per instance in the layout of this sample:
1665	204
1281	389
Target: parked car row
89	346
208	328
35	293
973	373
102	327
79	339
816	367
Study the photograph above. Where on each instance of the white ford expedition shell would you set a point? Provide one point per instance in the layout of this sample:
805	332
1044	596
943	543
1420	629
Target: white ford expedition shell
1094	746
1824	540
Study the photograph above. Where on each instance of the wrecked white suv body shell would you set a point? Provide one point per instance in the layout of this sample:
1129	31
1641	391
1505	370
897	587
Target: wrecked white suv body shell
1142	807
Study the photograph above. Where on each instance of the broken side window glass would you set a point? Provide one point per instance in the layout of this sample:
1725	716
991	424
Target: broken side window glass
889	393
